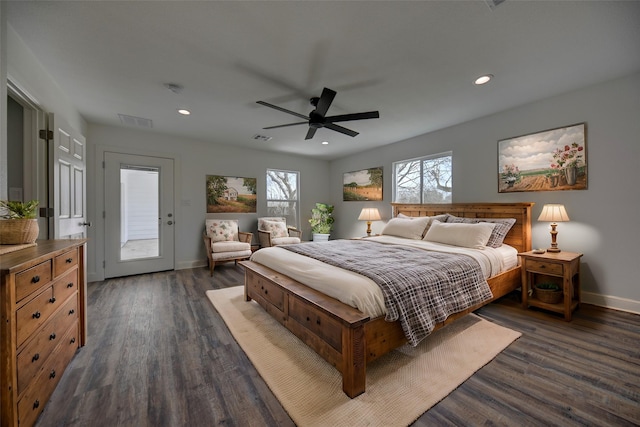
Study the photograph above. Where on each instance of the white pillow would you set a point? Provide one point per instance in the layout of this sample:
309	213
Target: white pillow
407	228
441	218
460	234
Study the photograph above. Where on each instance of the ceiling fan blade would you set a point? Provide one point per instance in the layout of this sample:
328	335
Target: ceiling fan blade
355	116
284	110
325	101
310	133
341	129
283	126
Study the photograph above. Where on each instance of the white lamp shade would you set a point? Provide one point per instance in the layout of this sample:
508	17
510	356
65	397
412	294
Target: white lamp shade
553	213
369	214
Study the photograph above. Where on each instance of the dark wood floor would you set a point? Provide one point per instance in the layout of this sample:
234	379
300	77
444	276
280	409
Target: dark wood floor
158	354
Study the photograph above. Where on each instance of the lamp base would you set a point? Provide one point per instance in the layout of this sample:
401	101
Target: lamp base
553	250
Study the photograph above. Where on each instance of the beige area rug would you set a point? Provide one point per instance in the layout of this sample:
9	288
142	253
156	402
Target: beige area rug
401	385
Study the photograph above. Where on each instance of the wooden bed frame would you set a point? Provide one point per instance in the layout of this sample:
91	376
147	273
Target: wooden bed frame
343	335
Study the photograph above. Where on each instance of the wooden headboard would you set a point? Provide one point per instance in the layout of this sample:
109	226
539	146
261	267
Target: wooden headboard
519	236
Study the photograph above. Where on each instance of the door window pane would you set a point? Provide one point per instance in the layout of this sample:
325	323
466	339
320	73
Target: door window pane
139	205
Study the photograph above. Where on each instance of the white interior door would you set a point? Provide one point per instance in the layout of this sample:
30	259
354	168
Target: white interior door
67	180
139	218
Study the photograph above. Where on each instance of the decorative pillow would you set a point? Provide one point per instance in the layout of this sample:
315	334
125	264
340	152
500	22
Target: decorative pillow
441	218
276	228
460	234
408	228
503	225
222	230
269	218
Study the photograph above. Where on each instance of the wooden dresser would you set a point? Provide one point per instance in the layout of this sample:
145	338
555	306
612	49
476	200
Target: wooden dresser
43	323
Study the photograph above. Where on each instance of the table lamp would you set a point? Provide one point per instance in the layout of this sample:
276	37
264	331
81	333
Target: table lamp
369	214
553	214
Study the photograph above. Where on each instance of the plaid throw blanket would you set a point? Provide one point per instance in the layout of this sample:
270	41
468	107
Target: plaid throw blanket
421	288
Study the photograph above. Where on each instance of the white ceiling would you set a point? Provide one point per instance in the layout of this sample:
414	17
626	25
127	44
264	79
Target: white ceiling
413	61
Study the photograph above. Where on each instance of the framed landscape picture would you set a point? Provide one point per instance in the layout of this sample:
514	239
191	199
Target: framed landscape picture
551	160
228	194
362	185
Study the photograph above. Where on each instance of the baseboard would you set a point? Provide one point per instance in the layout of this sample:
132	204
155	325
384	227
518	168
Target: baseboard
608	301
183	265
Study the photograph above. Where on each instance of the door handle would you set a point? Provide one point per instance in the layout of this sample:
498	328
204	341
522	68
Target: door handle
86	224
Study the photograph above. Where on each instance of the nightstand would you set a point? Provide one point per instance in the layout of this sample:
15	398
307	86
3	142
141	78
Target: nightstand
562	268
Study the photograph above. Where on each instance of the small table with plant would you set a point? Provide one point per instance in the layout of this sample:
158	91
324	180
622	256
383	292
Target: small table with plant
551	281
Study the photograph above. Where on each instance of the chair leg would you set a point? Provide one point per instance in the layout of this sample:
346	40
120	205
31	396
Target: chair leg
212	265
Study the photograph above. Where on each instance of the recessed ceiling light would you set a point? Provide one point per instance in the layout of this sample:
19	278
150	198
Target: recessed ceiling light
184	112
325	142
483	79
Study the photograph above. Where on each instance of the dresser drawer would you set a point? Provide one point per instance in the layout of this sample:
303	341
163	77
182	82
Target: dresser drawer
40	389
65	262
32	279
33	314
544	267
321	324
35	354
65	286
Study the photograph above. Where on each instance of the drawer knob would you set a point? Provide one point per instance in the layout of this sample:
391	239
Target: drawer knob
52	300
36	315
35	279
71	311
36	404
52	374
69	260
35	357
70	285
72	340
52	336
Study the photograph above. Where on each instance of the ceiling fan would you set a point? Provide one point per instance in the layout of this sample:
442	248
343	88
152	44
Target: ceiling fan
317	118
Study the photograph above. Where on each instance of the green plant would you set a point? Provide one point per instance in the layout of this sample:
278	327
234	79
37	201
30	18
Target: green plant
19	210
322	218
548	286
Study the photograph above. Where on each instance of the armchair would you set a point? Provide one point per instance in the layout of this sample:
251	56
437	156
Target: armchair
273	231
224	242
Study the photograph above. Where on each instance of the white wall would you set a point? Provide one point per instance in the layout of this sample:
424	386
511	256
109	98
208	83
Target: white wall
603	223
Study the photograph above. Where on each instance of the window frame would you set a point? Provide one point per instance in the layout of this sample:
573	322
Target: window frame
421	161
296	217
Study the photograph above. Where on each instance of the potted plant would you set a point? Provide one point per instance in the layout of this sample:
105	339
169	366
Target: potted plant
321	221
550	293
18	224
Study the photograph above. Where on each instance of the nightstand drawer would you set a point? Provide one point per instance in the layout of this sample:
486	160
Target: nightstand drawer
32	279
544	267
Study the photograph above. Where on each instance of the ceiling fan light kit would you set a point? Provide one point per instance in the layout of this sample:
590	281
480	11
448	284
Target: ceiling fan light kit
317	118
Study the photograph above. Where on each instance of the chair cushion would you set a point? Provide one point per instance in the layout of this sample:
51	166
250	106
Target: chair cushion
222	230
223	256
284	240
218	247
269	218
276	228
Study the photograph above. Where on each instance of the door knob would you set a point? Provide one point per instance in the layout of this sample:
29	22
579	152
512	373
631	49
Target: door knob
86	224
170	222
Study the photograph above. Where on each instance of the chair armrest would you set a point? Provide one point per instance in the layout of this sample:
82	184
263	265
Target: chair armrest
207	245
294	232
265	238
244	236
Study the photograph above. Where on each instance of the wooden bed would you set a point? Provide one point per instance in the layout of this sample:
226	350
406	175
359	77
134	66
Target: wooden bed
343	335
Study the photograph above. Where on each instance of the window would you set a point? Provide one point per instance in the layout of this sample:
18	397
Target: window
423	180
283	195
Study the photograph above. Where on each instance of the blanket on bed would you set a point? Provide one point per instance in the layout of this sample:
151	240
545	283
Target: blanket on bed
421	288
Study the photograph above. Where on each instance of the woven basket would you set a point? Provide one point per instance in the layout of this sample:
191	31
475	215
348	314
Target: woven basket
549	296
18	231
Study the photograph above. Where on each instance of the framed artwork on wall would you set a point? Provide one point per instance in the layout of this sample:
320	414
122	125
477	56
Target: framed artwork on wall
362	185
551	160
229	194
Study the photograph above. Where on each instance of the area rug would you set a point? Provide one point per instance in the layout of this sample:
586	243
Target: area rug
400	387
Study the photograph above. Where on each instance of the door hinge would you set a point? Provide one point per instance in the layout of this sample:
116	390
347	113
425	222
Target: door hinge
104	264
104	214
46	134
103	166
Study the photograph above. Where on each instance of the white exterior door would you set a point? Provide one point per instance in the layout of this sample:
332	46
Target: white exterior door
67	180
139	214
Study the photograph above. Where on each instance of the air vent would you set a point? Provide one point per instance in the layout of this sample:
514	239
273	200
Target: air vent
494	3
263	138
139	122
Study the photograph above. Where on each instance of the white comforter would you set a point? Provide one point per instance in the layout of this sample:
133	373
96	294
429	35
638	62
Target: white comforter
359	291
